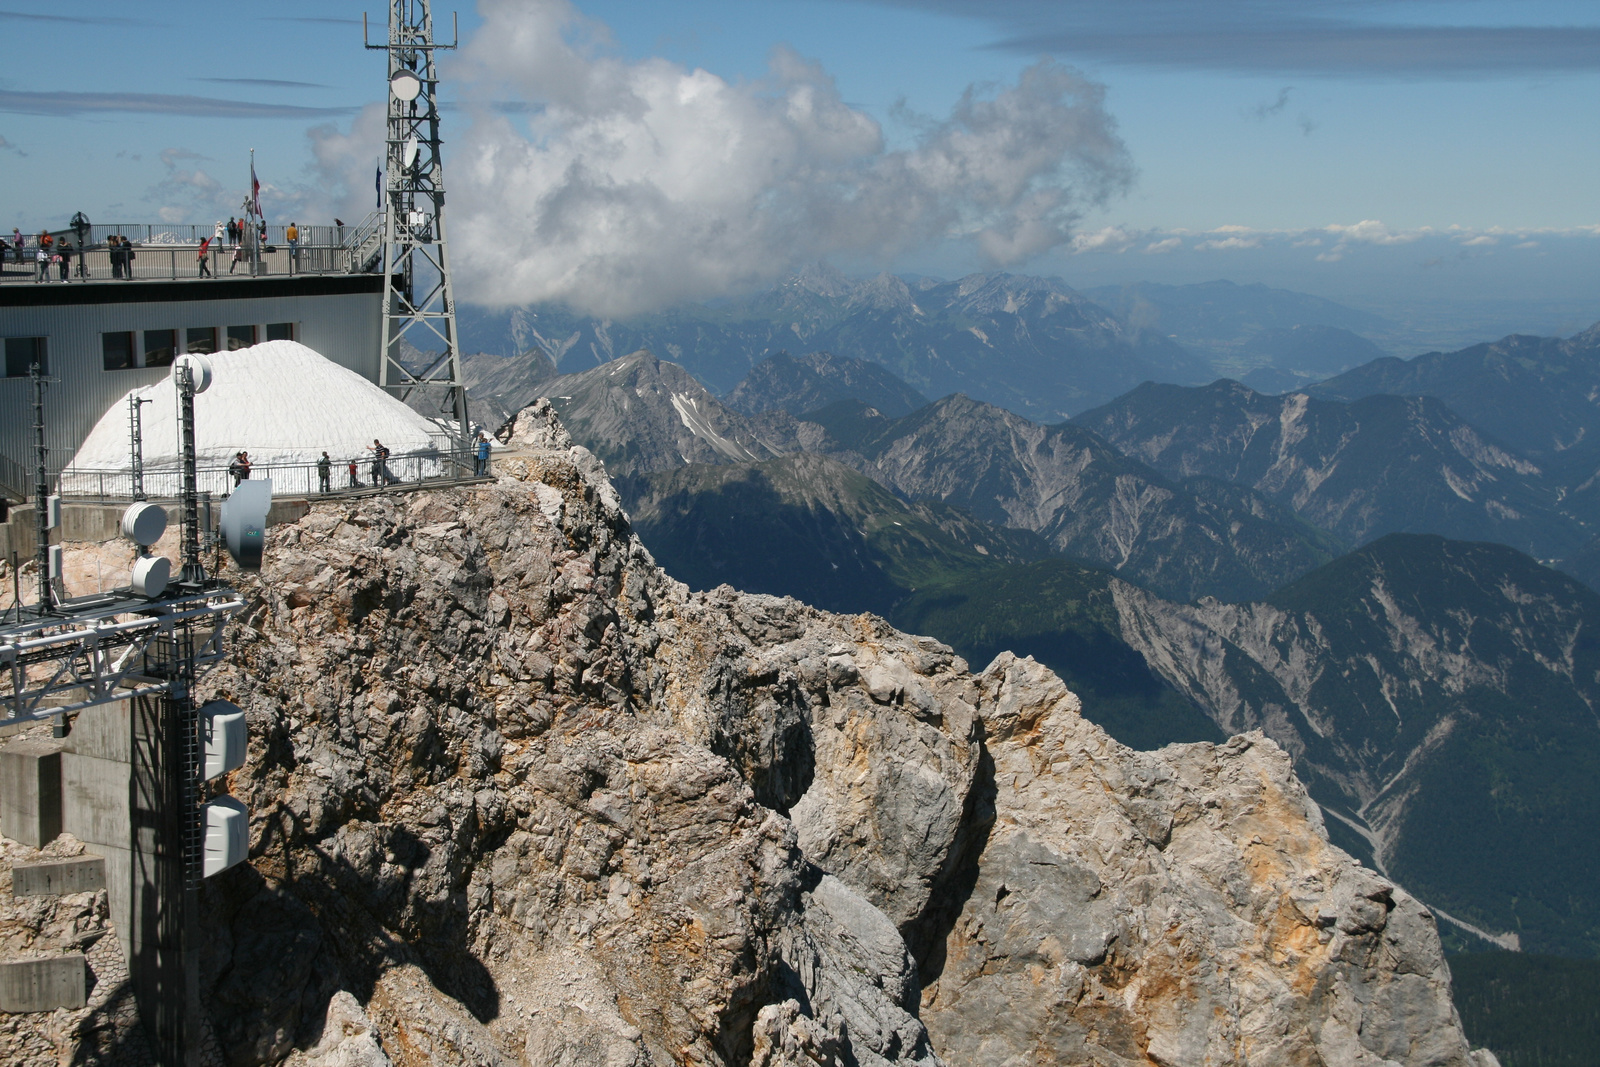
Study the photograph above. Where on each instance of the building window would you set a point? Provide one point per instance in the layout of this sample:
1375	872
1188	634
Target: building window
117	350
160	347
280	331
201	339
241	337
20	352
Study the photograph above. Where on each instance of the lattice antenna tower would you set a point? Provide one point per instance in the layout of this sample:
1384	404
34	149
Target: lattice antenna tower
418	303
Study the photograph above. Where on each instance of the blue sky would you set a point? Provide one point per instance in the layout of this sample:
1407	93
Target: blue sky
1347	147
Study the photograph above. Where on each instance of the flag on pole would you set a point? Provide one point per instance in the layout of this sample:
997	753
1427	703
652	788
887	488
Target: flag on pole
255	187
377	185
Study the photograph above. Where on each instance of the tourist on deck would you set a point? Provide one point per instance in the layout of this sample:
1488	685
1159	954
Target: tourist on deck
17	241
380	463
481	468
325	474
239	468
205	250
355	479
64	258
233	230
127	259
41	262
292	235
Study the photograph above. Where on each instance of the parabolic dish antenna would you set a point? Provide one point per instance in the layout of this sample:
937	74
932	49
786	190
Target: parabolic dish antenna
405	85
199	370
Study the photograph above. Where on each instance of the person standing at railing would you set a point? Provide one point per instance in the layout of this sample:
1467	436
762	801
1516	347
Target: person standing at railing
325	474
205	249
292	235
233	232
239	468
380	463
482	467
355	479
17	241
41	262
64	257
127	259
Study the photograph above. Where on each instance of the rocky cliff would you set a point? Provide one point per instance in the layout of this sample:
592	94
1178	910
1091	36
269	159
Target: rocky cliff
517	797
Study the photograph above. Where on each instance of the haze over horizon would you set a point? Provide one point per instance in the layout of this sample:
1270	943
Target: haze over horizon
620	156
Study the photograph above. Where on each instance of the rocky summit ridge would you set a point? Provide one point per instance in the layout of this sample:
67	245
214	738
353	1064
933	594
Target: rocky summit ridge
517	797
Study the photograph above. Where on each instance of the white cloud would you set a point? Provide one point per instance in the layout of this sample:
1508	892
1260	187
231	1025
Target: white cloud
1526	244
1371	232
1109	239
630	185
1170	244
1480	240
1229	244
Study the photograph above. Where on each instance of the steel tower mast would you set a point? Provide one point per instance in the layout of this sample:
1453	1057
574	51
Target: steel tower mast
418	303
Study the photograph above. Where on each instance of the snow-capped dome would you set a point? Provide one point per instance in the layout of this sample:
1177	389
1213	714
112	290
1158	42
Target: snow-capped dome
280	401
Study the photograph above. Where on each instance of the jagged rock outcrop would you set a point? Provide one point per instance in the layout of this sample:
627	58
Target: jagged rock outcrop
1176	907
517	797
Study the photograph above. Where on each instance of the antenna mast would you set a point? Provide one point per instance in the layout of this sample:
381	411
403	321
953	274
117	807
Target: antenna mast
418	299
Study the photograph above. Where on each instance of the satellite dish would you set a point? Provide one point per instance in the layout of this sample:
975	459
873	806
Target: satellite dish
144	523
244	521
199	370
408	154
405	85
151	575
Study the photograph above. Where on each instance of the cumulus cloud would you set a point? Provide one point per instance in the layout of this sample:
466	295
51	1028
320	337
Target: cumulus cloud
1109	239
631	185
1163	246
1229	243
1371	232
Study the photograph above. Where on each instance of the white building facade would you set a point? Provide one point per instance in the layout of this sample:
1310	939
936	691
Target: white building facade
100	339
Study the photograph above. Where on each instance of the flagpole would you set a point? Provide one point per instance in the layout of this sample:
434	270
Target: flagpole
255	205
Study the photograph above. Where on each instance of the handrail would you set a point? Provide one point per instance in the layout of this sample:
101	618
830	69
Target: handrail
288	479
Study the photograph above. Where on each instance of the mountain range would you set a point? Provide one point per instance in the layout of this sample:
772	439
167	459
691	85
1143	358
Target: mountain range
1379	464
1032	345
1185	537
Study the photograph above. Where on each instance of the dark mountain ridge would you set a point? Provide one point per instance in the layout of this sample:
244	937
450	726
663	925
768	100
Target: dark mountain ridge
1380	464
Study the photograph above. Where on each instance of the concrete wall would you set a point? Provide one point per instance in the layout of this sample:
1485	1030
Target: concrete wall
337	315
97	801
30	791
44	984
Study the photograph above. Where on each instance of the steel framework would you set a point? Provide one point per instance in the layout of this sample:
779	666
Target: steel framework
419	299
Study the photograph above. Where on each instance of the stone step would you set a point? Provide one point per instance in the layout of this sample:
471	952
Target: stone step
44	984
55	877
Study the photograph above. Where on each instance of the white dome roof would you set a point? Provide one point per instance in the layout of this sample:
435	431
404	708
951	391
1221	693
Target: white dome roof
279	400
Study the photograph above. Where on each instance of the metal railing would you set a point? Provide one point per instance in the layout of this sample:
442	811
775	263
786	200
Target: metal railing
94	485
170	252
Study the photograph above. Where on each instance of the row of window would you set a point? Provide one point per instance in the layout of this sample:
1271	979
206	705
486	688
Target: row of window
121	351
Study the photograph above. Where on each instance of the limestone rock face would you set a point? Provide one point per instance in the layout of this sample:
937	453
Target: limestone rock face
517	797
1179	907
